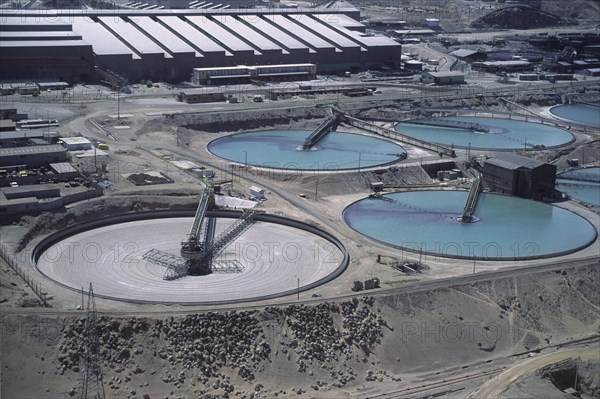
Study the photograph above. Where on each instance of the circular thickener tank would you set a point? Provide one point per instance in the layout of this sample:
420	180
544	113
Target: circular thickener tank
581	184
584	114
506	228
282	149
499	134
267	260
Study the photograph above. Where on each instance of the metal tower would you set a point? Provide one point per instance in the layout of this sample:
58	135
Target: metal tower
93	385
200	249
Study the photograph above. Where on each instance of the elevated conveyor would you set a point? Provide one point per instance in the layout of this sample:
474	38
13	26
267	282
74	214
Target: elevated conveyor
201	247
410	207
471	202
476	127
217	246
385	132
321	131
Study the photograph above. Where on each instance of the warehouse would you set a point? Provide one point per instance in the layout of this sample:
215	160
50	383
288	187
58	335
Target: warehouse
168	44
244	73
469	55
520	176
43	49
32	156
200	96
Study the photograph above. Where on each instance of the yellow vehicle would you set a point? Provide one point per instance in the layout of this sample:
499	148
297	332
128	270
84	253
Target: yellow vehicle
102	146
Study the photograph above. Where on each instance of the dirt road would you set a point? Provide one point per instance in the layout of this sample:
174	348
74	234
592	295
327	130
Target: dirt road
496	386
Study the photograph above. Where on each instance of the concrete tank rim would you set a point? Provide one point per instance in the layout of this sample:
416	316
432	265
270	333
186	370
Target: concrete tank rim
499	259
53	238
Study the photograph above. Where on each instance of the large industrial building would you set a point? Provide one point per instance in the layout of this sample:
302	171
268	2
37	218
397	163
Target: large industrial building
520	176
168	44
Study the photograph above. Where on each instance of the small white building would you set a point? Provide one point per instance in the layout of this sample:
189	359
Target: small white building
443	78
76	143
257	192
432	22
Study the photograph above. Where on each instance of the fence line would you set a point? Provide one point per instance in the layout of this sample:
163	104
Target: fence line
12	261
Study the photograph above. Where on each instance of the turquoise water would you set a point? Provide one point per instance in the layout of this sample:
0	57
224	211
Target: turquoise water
581	184
283	150
508	227
585	174
580	113
505	134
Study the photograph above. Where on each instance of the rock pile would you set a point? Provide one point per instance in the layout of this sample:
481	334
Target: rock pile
313	331
207	342
200	343
203	348
116	340
362	326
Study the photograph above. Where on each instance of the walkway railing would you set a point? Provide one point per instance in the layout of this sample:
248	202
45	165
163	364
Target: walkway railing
450	123
385	132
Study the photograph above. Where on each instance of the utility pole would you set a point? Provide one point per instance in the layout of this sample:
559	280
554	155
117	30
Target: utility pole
469	153
317	185
118	102
93	385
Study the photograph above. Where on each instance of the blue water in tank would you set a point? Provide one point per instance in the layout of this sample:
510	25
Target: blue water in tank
507	227
581	184
504	134
579	113
282	149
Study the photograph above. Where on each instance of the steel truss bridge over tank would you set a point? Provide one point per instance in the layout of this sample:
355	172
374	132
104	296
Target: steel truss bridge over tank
338	116
201	248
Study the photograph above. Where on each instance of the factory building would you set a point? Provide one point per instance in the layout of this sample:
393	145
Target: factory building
245	74
443	78
31	156
43	48
469	55
503	66
200	96
168	44
520	176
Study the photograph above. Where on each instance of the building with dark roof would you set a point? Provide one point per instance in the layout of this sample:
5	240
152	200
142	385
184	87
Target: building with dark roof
167	45
469	55
520	176
31	156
